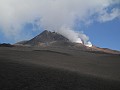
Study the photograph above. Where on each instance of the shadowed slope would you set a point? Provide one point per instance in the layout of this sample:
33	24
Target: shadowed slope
35	68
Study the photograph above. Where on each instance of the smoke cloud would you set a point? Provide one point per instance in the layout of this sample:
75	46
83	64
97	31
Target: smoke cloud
57	15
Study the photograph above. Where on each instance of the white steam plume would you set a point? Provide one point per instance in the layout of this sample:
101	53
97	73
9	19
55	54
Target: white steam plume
53	15
77	37
70	34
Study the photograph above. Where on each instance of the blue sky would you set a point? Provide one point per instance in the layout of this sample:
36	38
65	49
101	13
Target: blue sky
98	19
106	35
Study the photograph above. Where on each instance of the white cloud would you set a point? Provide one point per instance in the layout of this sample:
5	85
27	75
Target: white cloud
115	13
53	14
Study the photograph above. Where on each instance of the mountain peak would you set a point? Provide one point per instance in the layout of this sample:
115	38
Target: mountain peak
47	37
45	32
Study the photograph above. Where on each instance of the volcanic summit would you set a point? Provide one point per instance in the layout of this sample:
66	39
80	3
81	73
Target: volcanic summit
46	38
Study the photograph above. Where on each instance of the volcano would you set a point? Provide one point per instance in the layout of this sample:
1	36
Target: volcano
53	39
47	37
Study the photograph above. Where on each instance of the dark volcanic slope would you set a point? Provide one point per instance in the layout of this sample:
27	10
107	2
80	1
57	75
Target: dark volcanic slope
49	68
